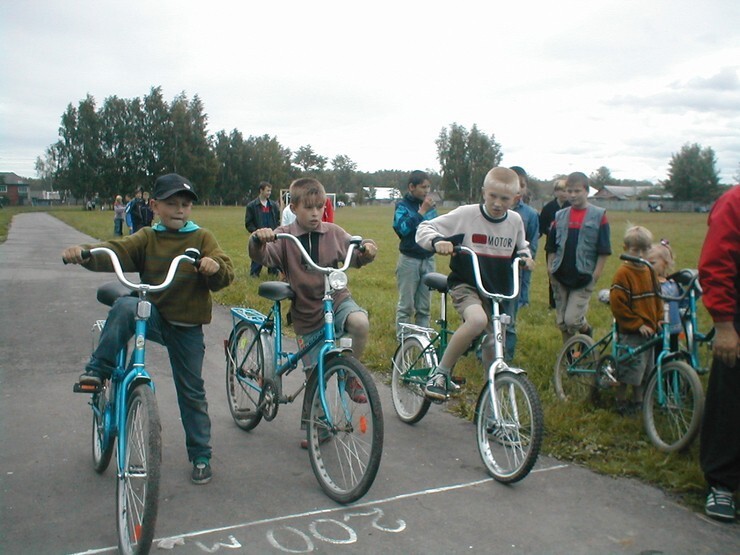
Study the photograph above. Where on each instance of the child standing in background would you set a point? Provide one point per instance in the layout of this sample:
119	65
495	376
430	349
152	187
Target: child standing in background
660	256
638	311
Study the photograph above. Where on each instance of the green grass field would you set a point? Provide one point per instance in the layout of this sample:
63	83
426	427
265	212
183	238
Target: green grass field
596	438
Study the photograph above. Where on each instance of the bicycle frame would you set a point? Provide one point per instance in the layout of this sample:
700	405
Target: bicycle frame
124	376
284	362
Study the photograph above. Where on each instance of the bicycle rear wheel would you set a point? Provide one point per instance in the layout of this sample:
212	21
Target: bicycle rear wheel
346	456
574	369
102	439
245	364
138	485
509	446
412	363
673	422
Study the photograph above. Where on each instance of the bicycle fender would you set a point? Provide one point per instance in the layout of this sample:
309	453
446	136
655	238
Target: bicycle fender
333	353
503	367
133	380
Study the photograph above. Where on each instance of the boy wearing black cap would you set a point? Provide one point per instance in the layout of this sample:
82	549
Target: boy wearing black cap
178	313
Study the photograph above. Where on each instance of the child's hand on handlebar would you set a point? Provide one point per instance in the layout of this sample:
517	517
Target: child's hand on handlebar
73	255
208	266
443	247
646	331
264	235
369	250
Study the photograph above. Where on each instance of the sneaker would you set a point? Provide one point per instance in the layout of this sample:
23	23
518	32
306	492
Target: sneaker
354	389
202	473
436	387
91	378
720	504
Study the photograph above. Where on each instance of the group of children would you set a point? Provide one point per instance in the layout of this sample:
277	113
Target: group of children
577	247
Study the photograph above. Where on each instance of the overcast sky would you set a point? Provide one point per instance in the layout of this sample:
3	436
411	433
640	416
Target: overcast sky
562	85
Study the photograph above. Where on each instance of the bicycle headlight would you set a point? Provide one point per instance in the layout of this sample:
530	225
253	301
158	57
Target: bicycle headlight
337	280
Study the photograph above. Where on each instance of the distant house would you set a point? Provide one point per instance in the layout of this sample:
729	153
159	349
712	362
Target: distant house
14	190
621	192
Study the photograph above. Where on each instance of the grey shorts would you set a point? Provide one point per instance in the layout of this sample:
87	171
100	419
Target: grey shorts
633	371
341	313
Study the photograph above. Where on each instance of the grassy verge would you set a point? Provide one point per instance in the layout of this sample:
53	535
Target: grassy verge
596	438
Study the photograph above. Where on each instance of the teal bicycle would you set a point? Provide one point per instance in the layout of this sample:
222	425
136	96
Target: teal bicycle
508	417
673	401
344	431
125	414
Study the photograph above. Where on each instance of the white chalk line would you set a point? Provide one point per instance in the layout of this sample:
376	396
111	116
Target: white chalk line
315	512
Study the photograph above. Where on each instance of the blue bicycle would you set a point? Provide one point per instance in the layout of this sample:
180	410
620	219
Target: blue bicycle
125	408
344	430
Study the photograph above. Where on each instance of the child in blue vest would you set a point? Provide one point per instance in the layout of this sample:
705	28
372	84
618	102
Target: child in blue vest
578	245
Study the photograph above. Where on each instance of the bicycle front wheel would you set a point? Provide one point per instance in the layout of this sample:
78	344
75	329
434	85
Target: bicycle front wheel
412	364
574	369
245	364
345	446
102	438
509	445
672	419
138	484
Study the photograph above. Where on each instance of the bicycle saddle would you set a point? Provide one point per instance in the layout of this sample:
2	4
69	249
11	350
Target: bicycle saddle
685	277
436	281
275	290
109	292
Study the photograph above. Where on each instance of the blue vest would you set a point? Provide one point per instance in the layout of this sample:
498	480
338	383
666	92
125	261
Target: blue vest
586	253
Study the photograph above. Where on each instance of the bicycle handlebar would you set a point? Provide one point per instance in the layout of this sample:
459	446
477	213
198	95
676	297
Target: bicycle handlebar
191	255
354	242
658	291
479	281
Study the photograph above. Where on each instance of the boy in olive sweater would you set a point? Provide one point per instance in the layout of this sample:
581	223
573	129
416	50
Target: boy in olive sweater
178	313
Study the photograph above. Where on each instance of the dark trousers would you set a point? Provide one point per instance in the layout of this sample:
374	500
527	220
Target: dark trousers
255	269
186	349
719	451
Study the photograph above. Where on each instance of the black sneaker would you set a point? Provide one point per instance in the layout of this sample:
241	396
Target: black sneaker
436	387
202	473
720	504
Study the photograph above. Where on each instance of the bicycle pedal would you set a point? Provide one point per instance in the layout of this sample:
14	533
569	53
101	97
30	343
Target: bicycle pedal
85	388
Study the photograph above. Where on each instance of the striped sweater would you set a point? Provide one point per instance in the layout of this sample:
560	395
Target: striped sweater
633	299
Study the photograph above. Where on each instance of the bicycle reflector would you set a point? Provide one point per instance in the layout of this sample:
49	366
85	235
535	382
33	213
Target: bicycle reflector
337	280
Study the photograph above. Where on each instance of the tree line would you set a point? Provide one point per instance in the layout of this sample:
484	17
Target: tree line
125	143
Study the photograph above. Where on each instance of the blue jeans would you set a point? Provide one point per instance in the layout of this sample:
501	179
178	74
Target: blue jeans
511	308
526	279
118	226
186	349
414	298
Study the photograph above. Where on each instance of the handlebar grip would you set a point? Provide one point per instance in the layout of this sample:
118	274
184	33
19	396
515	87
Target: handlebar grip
85	255
195	255
635	259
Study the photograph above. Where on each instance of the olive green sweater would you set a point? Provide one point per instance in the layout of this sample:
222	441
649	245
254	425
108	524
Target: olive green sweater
149	252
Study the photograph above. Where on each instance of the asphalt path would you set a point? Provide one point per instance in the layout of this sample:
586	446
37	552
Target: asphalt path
431	495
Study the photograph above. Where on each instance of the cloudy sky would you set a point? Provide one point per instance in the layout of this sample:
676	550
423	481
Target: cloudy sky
563	85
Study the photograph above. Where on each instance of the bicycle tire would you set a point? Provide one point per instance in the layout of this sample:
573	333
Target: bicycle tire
103	440
674	424
243	392
407	391
345	459
137	488
575	386
509	447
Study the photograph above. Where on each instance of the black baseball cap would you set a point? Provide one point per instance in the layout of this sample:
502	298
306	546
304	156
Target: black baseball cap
167	185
